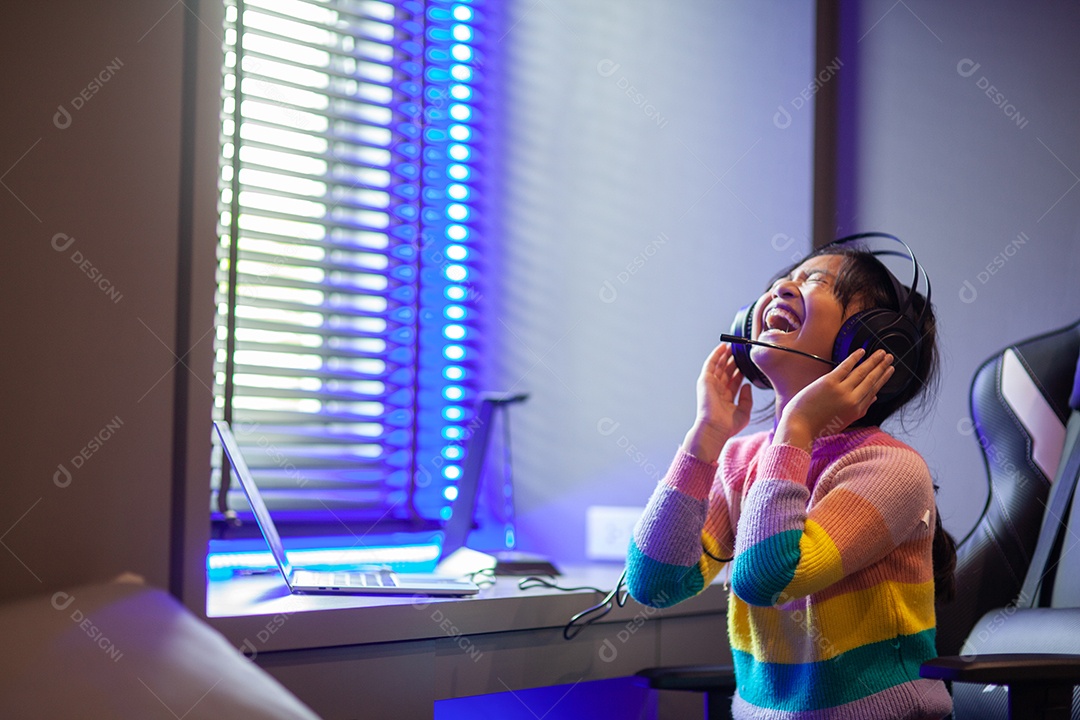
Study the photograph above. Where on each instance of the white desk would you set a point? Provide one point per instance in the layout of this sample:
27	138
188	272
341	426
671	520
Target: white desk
373	657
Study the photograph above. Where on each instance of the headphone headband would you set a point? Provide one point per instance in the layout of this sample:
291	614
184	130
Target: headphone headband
904	303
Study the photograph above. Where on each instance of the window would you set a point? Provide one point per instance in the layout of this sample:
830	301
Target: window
348	258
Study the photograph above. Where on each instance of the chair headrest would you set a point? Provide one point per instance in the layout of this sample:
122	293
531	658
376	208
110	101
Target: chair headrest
1052	360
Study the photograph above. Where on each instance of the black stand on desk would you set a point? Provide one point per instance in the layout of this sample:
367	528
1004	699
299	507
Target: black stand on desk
507	562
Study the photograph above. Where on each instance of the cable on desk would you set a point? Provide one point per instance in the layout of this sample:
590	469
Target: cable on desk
482	578
577	623
572	628
617	596
534	581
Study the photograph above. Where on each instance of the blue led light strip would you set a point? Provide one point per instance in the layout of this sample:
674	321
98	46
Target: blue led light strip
450	240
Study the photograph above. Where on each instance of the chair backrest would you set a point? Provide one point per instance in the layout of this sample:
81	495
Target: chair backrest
1020	403
1044	617
1064	589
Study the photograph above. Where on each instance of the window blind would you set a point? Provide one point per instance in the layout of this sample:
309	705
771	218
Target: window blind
347	339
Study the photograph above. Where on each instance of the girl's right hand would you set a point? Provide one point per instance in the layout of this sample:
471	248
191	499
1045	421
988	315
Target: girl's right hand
724	402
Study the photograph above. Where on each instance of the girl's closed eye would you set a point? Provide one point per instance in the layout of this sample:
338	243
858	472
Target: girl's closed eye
803	277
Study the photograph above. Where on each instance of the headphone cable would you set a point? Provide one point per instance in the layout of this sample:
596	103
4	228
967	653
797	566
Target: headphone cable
616	596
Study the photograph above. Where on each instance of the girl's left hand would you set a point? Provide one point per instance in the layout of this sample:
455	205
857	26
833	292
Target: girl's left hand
835	400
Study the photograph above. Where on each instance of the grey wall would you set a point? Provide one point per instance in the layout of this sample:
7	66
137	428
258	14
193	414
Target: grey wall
648	194
984	188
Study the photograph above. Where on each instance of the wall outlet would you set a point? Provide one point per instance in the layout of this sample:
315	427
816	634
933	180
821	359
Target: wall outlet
608	530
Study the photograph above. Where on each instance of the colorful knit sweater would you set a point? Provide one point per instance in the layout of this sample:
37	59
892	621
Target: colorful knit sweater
832	591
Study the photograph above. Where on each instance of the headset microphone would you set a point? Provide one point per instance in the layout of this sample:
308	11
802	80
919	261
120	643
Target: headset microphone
735	339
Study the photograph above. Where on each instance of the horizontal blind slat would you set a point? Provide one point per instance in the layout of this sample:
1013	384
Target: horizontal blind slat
335	161
341	201
345	99
335	353
368	66
366	48
329	286
325	224
297	262
377	241
325	308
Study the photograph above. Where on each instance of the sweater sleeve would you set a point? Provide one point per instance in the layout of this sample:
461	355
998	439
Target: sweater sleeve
878	498
687	514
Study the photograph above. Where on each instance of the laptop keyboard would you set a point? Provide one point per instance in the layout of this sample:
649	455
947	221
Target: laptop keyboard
366	579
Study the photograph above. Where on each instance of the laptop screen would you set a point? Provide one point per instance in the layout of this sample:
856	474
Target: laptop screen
258	507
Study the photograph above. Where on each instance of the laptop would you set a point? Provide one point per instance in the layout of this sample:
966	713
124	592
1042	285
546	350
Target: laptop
376	581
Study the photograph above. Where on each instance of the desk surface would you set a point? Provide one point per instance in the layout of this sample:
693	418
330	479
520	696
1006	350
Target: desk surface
397	656
260	610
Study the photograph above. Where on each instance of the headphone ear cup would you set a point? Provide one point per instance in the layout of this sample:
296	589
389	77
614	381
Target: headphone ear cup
743	327
887	330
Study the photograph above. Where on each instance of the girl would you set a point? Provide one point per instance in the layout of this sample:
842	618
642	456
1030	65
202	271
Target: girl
828	521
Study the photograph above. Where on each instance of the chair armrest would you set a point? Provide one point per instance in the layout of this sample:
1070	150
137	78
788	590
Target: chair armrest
1005	668
699	678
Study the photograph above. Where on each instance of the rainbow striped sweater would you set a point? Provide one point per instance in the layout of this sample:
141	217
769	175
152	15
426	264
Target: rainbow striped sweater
832	591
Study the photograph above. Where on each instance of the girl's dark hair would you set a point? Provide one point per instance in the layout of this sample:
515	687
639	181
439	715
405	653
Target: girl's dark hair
944	562
865	283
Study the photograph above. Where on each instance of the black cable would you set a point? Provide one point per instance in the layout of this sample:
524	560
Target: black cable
617	596
602	608
535	581
572	628
717	559
482	578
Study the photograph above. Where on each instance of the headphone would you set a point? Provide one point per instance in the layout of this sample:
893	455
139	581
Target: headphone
898	332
